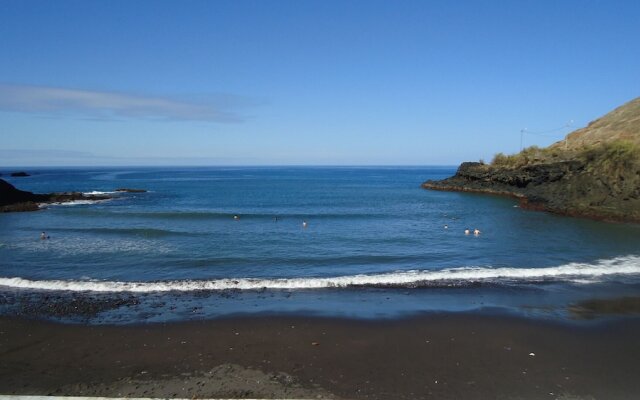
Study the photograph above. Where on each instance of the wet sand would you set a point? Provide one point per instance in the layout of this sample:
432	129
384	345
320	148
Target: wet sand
446	356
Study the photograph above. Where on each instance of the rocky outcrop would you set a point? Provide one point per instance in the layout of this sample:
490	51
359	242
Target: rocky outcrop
14	200
594	172
129	190
19	174
568	187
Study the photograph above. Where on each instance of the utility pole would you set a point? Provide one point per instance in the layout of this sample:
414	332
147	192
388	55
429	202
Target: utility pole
566	138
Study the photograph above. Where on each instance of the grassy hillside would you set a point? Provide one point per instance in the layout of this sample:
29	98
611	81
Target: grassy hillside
621	124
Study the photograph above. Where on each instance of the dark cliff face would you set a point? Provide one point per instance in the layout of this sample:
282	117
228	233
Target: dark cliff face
569	187
9	195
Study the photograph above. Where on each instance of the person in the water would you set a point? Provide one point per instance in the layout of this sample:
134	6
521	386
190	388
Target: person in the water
304	224
43	236
476	231
466	231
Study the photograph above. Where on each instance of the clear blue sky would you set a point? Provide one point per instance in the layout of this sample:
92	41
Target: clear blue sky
305	82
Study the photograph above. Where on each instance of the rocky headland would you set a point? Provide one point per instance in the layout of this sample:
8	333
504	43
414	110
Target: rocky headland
594	172
12	199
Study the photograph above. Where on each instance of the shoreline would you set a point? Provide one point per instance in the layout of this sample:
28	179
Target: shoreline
440	356
559	303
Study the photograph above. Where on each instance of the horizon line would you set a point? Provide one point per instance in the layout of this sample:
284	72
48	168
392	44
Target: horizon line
230	166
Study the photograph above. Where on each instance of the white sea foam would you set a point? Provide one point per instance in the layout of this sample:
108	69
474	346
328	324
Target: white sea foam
78	202
97	193
573	272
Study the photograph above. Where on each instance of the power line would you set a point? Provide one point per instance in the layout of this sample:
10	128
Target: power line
544	133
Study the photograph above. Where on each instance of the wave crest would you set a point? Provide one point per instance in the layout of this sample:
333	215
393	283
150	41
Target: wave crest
97	192
572	272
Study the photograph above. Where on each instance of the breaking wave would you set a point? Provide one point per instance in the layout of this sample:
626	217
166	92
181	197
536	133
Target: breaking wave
78	202
581	273
97	192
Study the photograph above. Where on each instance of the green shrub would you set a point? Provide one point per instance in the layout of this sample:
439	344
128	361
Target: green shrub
499	159
530	155
526	156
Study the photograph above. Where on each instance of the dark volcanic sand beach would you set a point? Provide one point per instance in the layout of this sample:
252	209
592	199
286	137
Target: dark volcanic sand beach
447	356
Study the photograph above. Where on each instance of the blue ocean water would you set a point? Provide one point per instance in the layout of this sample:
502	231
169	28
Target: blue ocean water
375	244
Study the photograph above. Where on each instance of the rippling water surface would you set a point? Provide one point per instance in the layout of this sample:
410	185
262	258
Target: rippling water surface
375	243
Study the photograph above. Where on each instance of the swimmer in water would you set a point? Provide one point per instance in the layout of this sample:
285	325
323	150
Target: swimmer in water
466	231
304	224
476	232
446	226
43	236
236	217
